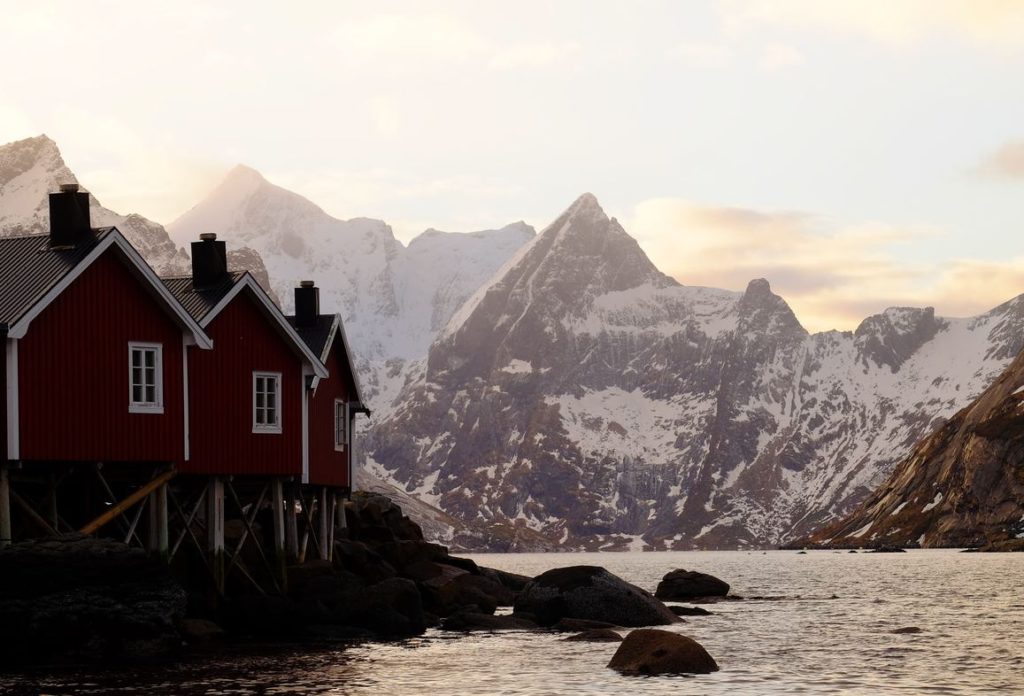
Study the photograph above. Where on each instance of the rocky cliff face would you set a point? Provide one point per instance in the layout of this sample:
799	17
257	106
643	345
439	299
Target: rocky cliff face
961	486
394	299
32	168
583	399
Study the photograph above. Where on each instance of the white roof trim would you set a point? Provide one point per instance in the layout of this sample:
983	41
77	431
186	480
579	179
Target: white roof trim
113	237
247	281
338	327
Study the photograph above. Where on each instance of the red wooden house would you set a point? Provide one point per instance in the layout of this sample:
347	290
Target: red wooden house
248	405
335	400
96	347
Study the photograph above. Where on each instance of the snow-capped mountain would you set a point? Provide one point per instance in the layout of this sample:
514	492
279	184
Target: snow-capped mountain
961	486
581	398
394	299
32	168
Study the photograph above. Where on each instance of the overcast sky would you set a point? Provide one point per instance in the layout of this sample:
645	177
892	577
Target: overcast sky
858	155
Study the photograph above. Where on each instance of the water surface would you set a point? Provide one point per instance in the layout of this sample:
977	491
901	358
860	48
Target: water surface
823	626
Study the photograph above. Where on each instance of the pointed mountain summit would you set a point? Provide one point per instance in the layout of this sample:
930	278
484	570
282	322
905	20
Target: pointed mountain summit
30	169
393	299
585	397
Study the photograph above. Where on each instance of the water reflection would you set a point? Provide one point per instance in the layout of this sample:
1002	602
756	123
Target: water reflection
812	624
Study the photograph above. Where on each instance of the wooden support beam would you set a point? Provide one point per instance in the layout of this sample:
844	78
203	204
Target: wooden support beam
34	516
331	517
291	524
215	530
162	522
326	524
280	559
5	507
125	504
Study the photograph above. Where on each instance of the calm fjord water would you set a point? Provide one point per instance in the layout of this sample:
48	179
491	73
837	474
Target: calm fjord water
970	608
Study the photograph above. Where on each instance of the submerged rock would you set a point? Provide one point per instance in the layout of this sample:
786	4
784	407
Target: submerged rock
650	651
475	621
688	611
590	592
685	584
907	629
596	635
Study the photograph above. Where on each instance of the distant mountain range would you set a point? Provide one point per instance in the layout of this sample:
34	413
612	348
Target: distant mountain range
558	391
582	399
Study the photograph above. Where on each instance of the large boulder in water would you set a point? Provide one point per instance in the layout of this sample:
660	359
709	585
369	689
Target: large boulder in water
590	592
649	651
686	584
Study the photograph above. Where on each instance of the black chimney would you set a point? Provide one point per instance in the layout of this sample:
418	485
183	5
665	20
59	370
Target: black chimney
209	261
69	216
307	303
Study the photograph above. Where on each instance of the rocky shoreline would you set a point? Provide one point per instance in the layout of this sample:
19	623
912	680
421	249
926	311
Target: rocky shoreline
80	599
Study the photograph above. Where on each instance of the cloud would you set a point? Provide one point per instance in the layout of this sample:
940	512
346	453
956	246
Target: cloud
991	23
832	275
1007	162
700	55
534	56
779	56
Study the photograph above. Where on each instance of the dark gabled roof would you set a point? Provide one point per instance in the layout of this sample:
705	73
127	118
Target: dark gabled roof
30	267
320	337
316	336
198	303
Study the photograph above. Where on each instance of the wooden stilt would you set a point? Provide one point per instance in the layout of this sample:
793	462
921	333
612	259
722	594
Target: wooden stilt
291	524
151	523
162	522
277	506
326	524
215	530
340	511
332	517
5	507
51	500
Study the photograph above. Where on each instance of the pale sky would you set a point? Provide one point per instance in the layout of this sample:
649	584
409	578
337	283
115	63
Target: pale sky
857	154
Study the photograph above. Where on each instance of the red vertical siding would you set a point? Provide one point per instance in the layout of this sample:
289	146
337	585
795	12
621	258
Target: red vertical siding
220	404
3	404
328	466
73	372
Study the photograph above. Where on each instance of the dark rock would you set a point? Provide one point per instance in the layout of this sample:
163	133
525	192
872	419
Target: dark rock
576	625
392	607
82	597
512	581
473	621
684	584
200	632
649	651
590	592
888	549
358	558
465	564
597	635
688	611
907	629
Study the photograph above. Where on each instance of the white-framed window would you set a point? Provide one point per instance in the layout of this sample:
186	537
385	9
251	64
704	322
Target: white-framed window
145	377
266	402
340	425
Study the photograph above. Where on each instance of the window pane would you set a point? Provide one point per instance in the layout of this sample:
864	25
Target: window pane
136	358
271	416
150	394
136	393
150	358
271	385
259	401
